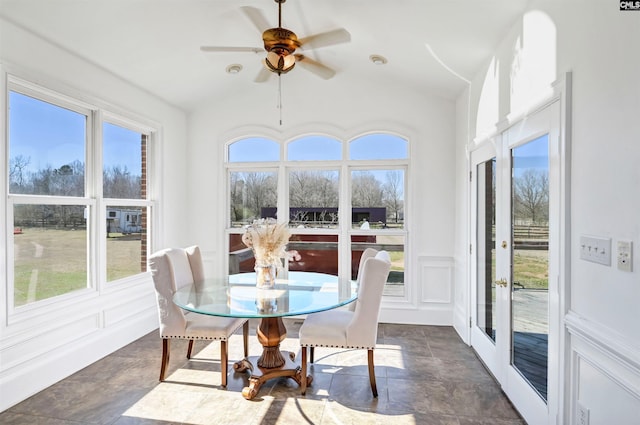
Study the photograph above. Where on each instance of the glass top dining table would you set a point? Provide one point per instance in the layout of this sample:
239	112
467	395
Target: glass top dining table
236	295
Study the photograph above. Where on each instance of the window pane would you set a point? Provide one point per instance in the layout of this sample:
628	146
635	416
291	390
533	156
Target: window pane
123	171
316	253
313	198
309	253
377	199
50	249
394	245
379	146
126	241
253	195
254	149
314	148
46	148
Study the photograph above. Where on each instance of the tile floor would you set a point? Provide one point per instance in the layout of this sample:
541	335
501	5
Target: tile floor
425	375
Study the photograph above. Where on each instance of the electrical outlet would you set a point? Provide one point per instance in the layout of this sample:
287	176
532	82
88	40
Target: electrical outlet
624	256
595	249
582	415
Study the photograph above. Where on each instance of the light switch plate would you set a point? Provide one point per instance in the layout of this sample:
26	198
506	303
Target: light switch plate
595	249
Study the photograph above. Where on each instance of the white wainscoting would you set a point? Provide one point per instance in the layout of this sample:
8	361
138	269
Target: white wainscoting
436	278
605	374
430	301
36	354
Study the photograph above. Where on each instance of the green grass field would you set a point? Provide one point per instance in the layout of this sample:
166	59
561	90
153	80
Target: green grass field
530	269
51	262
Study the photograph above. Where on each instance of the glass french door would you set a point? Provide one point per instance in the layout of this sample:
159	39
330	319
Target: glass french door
484	256
515	227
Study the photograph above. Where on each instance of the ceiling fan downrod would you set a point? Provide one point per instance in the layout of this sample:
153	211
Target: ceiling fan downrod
280	11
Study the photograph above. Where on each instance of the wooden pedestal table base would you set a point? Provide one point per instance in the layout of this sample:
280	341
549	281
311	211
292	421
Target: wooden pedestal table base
272	363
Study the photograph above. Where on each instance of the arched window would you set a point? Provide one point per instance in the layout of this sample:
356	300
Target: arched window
254	149
339	198
314	148
378	146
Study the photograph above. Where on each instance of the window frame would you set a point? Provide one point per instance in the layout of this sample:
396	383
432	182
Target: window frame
344	230
96	112
104	203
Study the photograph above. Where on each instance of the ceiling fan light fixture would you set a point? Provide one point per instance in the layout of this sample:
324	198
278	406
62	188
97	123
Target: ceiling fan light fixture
280	61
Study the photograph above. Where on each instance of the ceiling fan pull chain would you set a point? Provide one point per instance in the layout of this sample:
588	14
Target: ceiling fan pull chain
280	96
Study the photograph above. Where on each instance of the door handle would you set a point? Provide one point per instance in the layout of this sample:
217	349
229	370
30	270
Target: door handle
502	282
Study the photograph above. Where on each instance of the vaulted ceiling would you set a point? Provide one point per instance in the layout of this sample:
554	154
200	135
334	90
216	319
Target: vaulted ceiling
431	46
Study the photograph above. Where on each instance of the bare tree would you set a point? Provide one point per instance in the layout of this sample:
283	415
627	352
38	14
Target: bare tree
366	190
300	189
393	189
118	182
250	192
531	193
236	189
315	189
17	167
262	191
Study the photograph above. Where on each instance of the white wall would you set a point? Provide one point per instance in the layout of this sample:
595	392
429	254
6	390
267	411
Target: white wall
594	41
37	351
428	122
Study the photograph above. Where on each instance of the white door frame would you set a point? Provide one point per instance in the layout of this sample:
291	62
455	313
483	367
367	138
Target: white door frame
551	116
478	339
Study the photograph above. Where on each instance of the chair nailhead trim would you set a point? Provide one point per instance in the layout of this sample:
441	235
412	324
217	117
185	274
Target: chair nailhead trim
193	337
338	346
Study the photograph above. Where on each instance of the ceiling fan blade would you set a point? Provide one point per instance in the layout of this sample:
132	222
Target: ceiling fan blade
263	75
316	67
324	39
230	49
256	16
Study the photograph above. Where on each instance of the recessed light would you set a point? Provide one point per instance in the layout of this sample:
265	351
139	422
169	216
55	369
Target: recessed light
234	68
378	60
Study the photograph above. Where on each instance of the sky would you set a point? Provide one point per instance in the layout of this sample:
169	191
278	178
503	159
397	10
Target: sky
373	146
534	154
49	135
307	148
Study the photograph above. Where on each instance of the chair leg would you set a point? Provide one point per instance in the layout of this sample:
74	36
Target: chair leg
303	378
165	358
190	348
224	354
372	374
311	353
245	337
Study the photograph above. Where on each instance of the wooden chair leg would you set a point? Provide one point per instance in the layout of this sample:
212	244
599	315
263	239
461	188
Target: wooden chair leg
224	354
245	337
372	375
311	354
303	378
165	358
190	348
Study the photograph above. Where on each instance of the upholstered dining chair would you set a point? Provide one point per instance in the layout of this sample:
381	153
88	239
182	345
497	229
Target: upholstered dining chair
350	328
367	253
171	269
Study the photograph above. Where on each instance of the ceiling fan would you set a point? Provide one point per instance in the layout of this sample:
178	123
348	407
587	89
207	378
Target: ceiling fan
281	43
